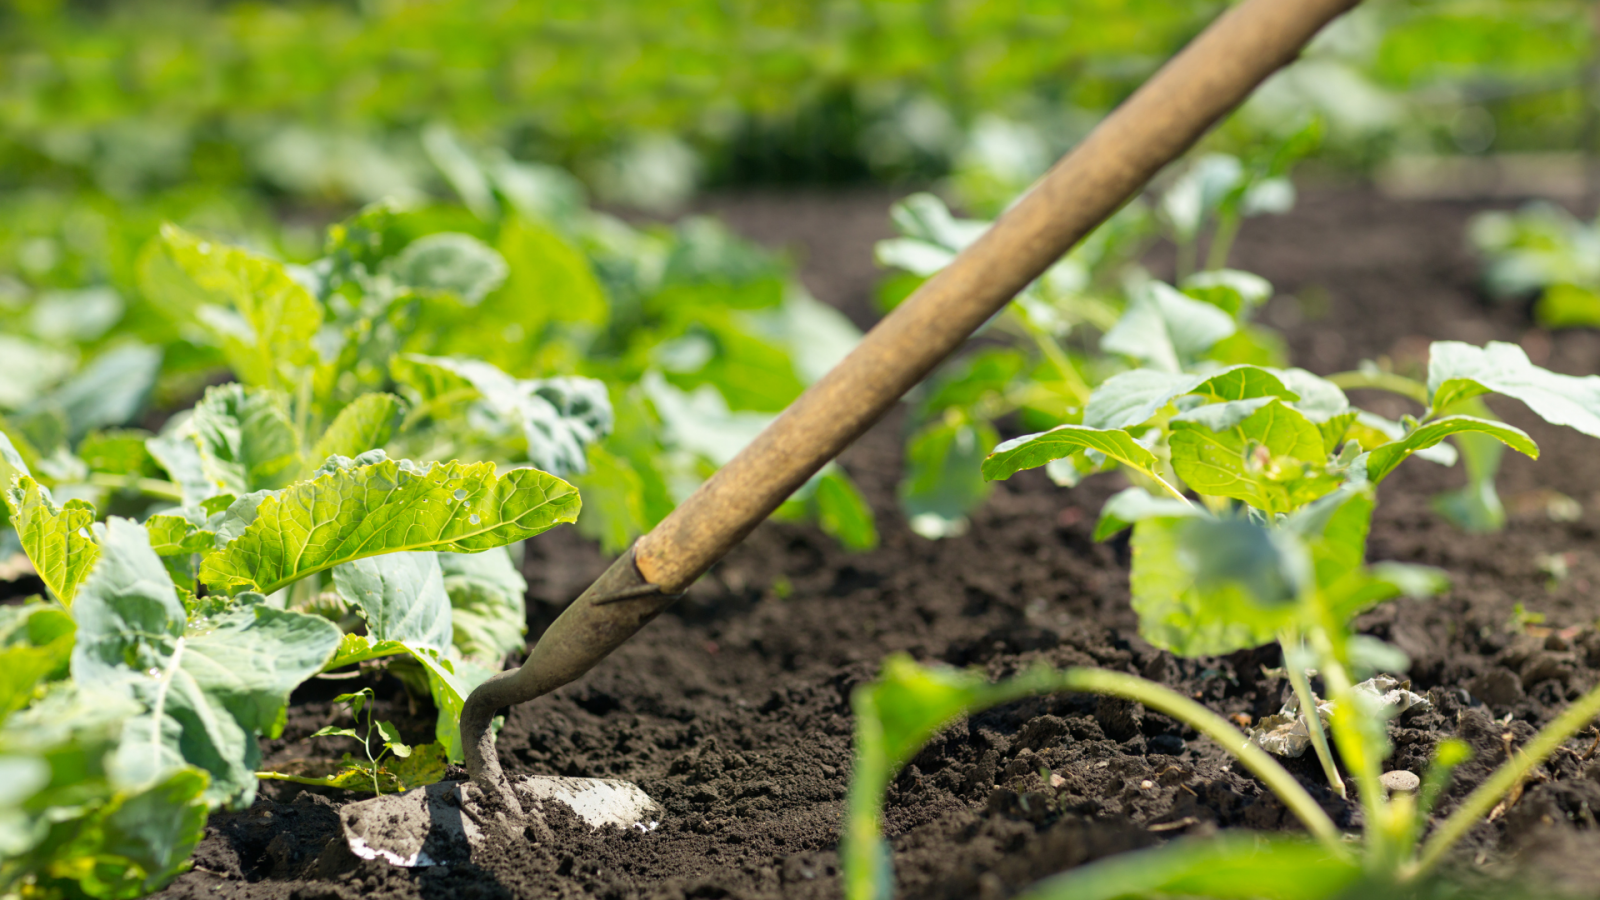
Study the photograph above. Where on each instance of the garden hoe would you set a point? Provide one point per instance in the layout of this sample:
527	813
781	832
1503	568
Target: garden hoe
441	823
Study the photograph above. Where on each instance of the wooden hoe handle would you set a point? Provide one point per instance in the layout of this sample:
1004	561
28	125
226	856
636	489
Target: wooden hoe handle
1152	128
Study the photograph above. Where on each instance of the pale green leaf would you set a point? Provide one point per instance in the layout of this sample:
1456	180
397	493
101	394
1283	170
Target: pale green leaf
1236	293
843	513
1203	587
1458	371
178	452
1234	866
944	482
366	424
450	262
222	683
1382	460
401	595
488	604
349	512
1258	451
550	280
1133	505
1167	330
246	440
56	539
110	390
1131	398
1034	450
263	319
35	642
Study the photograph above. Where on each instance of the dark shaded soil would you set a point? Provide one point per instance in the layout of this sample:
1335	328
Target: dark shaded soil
732	710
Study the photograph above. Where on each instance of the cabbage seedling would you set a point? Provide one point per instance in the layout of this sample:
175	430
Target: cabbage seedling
1271	547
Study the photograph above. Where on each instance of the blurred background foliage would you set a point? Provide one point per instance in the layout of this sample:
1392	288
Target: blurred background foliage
262	122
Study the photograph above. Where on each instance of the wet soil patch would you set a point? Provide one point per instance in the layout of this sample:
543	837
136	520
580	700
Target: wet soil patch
732	710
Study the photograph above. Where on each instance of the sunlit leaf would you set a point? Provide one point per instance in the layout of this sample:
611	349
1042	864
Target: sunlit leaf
1458	371
351	511
1383	460
1233	866
245	438
366	424
56	538
1258	451
1034	450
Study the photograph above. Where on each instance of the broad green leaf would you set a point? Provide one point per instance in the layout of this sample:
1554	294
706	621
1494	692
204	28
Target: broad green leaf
1383	460
246	440
263	319
1133	505
1458	371
550	280
366	424
1371	430
1230	290
1131	398
1317	398
450	681
1166	330
459	264
401	595
110	390
1204	587
119	452
488	604
177	451
12	465
1258	451
1365	588
35	642
944	483
1232	866
349	512
613	501
177	536
558	418
971	379
753	371
1565	305
843	513
1034	450
222	682
56	539
1333	530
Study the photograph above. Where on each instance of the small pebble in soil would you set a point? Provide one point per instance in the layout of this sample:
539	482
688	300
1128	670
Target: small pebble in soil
1400	782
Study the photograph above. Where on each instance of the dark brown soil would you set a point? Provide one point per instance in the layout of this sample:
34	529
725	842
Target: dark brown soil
732	710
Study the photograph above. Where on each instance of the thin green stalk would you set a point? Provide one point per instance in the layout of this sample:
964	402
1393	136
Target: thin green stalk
298	779
1208	723
1222	240
152	487
1382	381
1508	776
1354	747
1058	357
1293	657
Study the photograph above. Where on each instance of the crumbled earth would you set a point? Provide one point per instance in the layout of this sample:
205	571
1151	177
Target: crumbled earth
732	710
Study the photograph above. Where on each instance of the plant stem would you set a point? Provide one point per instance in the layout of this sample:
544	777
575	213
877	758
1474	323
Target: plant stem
1382	381
1357	751
1480	801
1052	351
153	487
297	779
1222	240
1171	703
1294	654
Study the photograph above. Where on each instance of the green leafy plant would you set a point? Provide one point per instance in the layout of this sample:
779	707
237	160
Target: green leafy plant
1272	548
1545	252
188	624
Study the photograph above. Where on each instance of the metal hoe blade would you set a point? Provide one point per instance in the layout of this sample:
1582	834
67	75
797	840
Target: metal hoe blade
437	825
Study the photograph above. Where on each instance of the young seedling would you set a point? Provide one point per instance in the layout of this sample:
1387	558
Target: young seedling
1272	547
413	766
